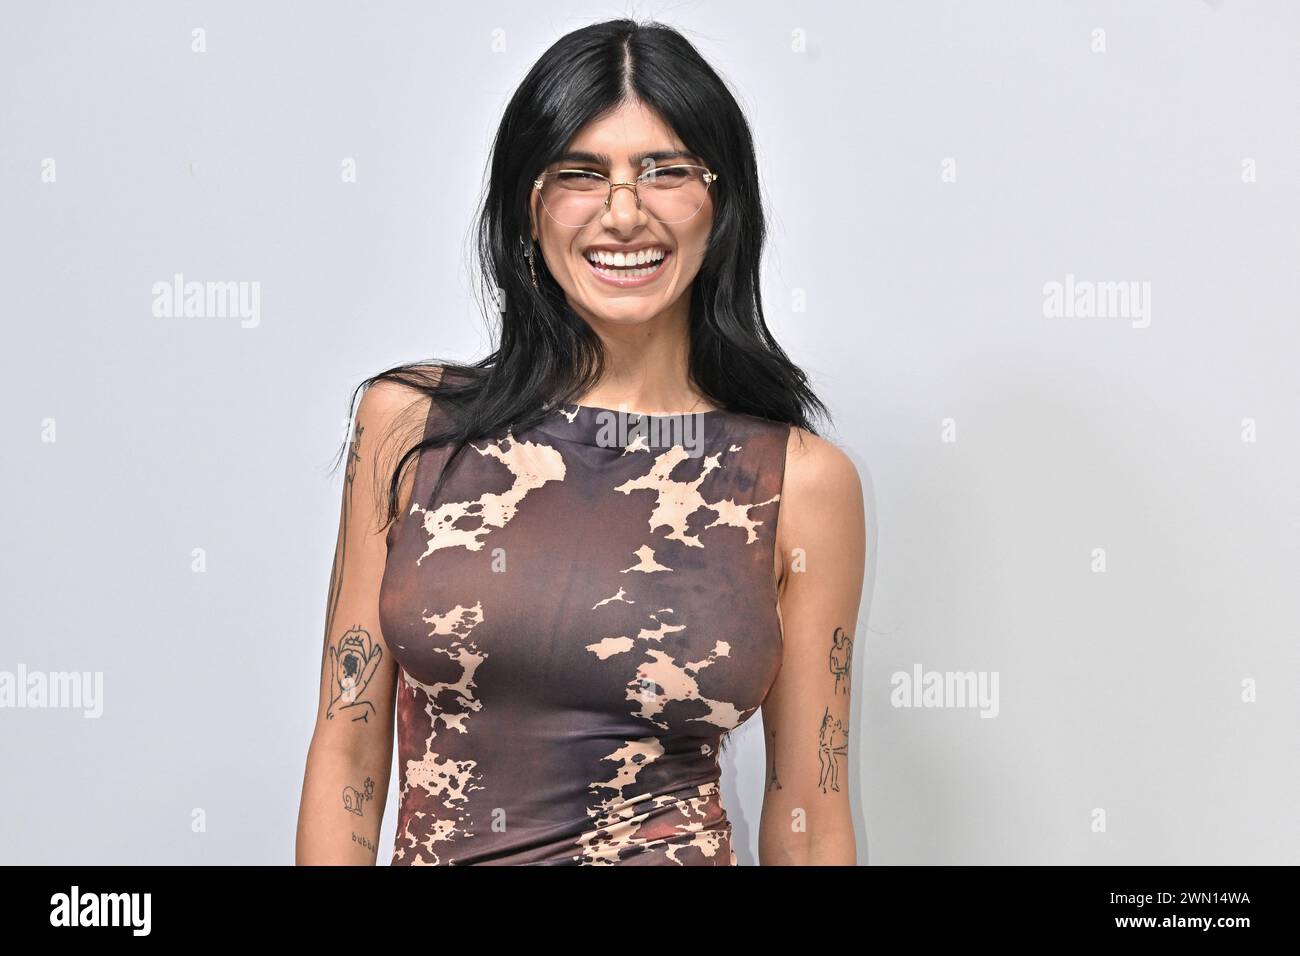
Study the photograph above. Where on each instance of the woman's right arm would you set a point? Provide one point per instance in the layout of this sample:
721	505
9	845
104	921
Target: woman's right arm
348	763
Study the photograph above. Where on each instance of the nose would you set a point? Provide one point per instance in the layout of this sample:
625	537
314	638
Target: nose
623	209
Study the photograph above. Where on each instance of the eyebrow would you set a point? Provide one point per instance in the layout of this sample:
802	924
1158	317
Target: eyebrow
636	159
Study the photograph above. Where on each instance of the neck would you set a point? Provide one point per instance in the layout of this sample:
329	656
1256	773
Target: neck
646	364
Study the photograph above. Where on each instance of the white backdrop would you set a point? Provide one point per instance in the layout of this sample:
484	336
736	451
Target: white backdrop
1095	516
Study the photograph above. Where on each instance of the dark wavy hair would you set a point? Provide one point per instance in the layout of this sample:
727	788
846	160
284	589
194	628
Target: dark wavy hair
546	353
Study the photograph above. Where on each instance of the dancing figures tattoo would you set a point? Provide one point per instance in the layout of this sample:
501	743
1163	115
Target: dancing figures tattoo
841	659
354	798
832	744
833	737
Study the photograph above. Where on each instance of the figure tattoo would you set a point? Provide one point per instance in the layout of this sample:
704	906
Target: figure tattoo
354	662
833	744
841	659
354	798
336	573
773	783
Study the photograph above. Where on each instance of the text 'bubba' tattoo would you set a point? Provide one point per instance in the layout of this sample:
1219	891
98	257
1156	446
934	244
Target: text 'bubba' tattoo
354	798
833	743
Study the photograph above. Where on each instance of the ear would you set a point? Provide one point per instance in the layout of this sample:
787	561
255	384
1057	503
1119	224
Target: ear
532	215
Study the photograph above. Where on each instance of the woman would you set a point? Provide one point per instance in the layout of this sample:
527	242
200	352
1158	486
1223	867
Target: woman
613	540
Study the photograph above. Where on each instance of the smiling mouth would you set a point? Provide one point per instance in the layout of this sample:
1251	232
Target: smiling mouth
627	275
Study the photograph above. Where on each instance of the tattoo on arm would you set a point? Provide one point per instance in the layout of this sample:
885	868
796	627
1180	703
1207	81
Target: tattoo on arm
833	743
841	659
354	660
336	573
354	798
773	783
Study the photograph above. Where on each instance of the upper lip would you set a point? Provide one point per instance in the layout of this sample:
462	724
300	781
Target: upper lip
601	247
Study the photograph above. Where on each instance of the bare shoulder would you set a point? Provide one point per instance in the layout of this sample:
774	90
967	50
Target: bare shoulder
817	470
822	513
390	421
390	403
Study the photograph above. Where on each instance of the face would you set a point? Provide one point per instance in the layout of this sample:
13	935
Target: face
622	136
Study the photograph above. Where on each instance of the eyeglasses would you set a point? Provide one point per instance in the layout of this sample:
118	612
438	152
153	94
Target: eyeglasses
670	194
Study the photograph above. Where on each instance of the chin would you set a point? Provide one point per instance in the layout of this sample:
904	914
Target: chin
625	313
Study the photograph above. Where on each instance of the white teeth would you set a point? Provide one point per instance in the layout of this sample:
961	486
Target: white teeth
628	273
626	260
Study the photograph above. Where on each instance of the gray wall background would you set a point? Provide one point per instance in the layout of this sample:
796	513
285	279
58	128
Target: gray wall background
1162	693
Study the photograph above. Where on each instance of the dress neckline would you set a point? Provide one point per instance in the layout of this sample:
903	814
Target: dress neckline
609	427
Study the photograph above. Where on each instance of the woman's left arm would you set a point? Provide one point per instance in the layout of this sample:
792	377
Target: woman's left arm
821	538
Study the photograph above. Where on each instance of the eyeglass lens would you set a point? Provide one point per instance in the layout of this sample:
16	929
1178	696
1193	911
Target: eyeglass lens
668	193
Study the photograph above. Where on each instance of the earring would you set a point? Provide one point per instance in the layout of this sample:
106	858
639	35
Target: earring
532	248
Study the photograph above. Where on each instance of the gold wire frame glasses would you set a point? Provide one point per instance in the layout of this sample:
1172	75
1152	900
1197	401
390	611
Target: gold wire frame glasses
670	194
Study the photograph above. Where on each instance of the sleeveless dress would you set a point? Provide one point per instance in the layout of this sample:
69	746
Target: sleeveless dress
583	612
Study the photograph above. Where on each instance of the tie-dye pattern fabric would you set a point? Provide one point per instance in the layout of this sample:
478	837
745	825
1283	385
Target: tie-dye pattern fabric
575	624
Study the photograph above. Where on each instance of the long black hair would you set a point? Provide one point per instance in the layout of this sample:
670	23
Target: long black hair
546	353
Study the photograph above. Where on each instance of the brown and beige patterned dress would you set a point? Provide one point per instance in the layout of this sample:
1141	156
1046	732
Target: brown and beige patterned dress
584	611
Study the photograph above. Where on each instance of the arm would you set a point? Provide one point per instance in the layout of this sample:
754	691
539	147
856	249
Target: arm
348	763
821	537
